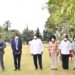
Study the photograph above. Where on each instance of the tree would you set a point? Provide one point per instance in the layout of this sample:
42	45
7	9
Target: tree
27	35
7	35
46	35
7	25
12	32
1	31
37	32
62	15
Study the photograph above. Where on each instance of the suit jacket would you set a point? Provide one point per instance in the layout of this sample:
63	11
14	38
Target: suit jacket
2	46
13	45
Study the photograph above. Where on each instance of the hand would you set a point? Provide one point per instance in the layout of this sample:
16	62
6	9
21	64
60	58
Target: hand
32	54
1	47
19	52
60	57
57	53
41	52
74	53
4	52
50	54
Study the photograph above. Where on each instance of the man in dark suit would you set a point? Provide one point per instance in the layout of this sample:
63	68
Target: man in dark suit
16	45
2	46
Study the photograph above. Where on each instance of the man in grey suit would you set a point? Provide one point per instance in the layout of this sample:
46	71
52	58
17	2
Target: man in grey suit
2	46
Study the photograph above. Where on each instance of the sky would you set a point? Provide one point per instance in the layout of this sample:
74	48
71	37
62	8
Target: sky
23	13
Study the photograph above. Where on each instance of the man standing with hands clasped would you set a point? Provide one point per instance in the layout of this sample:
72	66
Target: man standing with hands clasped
36	50
2	46
16	45
73	50
65	48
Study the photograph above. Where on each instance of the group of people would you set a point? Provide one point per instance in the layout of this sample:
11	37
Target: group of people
64	48
16	45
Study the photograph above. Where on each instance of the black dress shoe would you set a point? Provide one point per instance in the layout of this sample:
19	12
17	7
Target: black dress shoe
3	69
54	69
73	68
19	69
36	68
41	68
15	69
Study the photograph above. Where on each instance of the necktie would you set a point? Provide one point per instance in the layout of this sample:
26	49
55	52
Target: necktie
16	41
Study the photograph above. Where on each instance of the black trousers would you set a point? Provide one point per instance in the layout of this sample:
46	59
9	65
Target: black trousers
65	61
17	59
1	61
37	58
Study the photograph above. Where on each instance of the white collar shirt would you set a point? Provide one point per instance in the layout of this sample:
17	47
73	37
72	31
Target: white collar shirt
73	45
65	47
16	42
36	46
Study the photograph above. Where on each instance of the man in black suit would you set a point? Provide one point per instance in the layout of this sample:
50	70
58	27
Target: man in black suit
2	46
16	45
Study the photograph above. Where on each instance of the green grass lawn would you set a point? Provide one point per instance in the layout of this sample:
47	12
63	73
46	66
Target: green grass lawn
27	67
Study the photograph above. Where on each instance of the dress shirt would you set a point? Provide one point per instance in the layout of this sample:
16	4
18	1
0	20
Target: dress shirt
1	44
36	46
65	47
73	46
16	42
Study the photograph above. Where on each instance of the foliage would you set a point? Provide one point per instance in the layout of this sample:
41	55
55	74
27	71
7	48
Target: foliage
7	25
1	29
46	35
62	16
27	34
7	35
37	33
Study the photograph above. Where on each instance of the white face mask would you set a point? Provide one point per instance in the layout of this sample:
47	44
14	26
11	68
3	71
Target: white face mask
35	37
65	39
16	37
74	39
52	39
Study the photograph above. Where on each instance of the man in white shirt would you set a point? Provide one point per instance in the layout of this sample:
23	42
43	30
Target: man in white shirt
36	50
65	51
73	48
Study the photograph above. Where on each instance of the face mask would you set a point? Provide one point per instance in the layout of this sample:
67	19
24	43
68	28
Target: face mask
16	36
52	39
65	39
35	37
74	39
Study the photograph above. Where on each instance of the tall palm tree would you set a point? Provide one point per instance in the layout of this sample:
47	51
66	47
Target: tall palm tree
7	25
